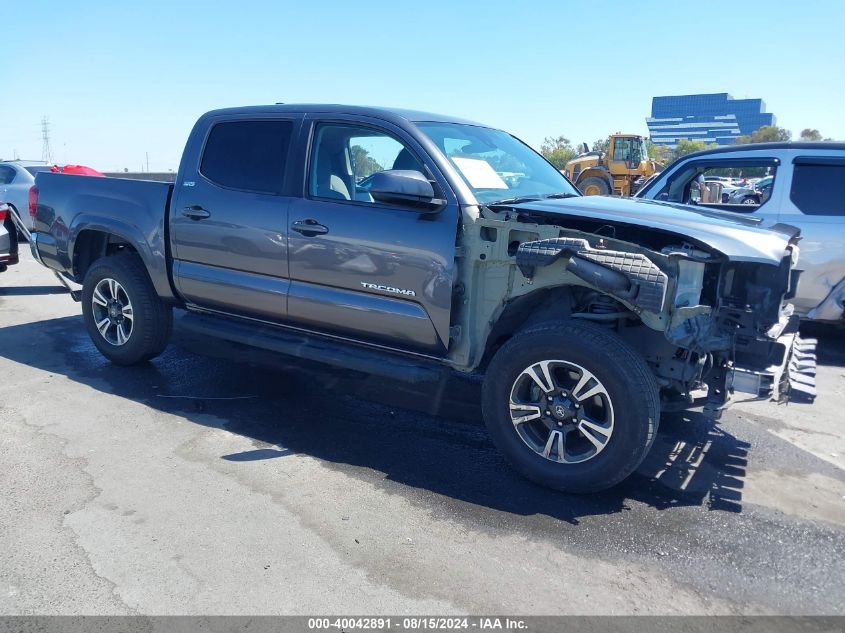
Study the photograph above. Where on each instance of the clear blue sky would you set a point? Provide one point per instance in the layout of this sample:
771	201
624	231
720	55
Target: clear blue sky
118	79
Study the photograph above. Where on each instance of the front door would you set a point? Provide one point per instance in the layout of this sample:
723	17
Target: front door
229	220
365	269
815	204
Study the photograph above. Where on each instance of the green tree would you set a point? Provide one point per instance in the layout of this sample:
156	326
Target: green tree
557	150
363	164
688	146
659	153
601	145
766	134
810	134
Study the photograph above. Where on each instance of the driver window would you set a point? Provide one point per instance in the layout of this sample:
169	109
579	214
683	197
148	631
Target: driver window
345	157
740	186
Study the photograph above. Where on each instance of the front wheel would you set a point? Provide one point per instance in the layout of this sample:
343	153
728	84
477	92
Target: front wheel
594	186
571	406
124	316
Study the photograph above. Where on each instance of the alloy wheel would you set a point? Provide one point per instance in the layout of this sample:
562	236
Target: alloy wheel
112	310
561	411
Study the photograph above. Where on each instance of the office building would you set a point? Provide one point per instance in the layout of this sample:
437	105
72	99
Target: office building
712	118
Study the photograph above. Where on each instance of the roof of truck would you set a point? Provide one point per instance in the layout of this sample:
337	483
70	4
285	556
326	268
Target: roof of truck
395	115
798	145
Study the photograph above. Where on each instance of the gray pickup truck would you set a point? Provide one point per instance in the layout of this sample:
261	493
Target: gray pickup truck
413	246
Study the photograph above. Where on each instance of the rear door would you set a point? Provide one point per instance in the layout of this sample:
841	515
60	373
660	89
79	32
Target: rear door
229	217
369	270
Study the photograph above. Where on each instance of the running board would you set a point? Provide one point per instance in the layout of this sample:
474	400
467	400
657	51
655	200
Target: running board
329	351
76	295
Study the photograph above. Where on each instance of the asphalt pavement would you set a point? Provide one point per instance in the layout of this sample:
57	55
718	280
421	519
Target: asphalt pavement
223	480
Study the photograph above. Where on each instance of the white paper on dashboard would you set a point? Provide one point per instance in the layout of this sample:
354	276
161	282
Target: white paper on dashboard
479	173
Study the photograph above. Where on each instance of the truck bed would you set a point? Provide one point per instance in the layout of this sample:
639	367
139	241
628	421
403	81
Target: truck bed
134	210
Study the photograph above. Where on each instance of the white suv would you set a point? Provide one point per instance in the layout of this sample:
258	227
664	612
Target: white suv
802	187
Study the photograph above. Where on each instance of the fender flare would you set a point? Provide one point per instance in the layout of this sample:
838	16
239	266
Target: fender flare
154	261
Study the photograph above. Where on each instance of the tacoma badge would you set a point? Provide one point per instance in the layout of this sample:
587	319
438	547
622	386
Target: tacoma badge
398	291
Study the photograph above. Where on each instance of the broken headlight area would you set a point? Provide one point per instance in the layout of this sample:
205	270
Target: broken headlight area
752	336
746	302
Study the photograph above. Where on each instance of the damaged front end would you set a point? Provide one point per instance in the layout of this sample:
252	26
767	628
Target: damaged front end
751	334
707	324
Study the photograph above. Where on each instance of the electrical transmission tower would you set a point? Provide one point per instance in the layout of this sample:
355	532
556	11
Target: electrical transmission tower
46	152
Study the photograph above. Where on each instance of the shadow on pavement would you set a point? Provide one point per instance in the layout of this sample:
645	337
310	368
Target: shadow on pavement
258	454
831	347
378	431
12	291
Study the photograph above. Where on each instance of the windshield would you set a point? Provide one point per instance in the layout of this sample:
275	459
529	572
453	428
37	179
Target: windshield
494	164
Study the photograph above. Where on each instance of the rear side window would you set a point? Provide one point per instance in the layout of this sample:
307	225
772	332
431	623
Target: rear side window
817	188
7	175
248	155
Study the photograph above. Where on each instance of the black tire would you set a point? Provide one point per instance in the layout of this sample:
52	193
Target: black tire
152	320
594	183
627	380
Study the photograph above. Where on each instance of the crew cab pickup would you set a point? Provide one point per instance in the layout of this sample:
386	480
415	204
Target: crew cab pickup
413	246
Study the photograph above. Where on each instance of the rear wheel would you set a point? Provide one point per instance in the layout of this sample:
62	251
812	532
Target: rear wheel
124	316
571	406
594	186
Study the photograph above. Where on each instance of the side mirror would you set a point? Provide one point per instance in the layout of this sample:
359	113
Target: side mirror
405	187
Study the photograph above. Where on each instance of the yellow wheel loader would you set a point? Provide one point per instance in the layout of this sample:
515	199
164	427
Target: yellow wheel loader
620	171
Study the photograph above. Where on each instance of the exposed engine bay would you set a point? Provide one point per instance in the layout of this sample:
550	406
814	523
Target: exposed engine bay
706	324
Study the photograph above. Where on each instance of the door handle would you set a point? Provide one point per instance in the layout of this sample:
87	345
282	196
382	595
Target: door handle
195	212
309	227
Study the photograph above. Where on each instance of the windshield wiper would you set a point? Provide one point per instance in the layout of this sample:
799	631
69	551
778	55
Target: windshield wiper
557	196
517	200
538	198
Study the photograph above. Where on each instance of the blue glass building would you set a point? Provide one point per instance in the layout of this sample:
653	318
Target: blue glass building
713	118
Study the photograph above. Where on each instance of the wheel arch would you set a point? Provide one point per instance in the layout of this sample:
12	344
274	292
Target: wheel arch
544	305
92	244
89	239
